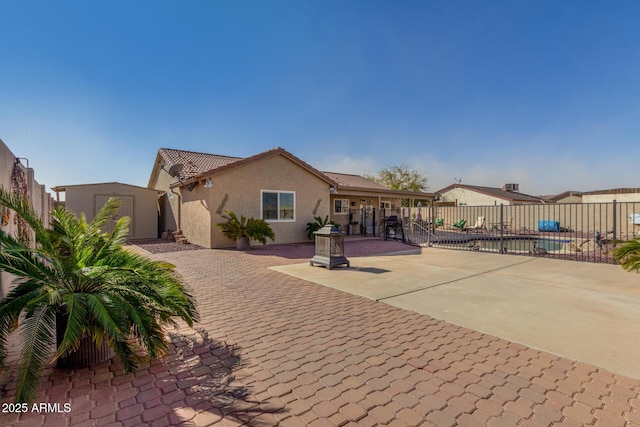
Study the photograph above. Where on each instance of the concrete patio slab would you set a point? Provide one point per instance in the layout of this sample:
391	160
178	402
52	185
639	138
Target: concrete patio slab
585	312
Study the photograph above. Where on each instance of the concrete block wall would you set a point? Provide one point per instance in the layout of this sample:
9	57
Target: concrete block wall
41	201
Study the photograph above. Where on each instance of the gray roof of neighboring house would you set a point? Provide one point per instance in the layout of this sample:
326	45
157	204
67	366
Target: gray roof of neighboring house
614	191
559	196
496	192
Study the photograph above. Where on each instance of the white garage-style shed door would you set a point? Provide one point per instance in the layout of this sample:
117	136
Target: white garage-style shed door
126	209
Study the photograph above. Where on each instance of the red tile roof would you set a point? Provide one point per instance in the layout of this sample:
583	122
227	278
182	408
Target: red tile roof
194	163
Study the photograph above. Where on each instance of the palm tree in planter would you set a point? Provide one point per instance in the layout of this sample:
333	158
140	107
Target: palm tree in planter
243	230
98	293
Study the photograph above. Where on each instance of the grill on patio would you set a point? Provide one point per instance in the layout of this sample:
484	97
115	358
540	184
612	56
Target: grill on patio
392	227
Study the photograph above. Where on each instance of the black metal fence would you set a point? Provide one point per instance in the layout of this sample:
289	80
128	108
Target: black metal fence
576	231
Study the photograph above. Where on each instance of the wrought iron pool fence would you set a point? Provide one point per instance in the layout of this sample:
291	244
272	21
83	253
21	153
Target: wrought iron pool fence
576	231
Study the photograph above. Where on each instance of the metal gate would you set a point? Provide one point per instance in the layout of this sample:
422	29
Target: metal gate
574	231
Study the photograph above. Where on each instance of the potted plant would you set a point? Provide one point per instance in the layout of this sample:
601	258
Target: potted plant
312	227
243	230
99	292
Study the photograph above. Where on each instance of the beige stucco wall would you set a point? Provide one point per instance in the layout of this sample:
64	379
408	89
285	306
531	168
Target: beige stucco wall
239	190
607	198
169	206
144	222
467	197
40	200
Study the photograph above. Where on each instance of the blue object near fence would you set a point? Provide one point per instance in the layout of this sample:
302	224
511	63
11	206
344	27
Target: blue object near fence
544	225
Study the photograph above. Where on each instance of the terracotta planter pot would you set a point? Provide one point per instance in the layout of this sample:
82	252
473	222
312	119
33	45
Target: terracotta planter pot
86	354
242	244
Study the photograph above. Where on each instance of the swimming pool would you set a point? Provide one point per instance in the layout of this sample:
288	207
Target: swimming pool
513	244
522	245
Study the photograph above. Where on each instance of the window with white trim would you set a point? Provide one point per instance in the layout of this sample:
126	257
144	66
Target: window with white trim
340	206
278	205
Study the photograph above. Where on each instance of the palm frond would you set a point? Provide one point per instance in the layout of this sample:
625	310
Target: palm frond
107	212
628	255
23	209
37	337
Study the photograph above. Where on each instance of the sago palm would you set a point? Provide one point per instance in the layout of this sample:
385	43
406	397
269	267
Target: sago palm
251	228
628	255
77	272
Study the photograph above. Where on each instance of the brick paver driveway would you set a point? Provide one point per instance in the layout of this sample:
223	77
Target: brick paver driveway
276	350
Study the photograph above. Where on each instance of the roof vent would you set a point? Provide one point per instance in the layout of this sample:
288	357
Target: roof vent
511	187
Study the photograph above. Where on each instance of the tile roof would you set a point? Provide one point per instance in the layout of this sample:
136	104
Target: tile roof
197	164
348	180
496	192
194	163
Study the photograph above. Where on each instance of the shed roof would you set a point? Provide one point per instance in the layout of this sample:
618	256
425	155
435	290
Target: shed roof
62	188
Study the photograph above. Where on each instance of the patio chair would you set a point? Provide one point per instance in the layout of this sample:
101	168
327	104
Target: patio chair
479	226
459	224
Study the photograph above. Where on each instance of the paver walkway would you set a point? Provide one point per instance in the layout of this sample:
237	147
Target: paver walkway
276	350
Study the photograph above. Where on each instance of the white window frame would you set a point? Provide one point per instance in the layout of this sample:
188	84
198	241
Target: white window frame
347	204
278	192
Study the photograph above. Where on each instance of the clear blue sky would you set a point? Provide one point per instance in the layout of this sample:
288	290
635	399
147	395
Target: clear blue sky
541	93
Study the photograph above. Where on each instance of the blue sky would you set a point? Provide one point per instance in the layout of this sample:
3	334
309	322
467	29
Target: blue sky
541	93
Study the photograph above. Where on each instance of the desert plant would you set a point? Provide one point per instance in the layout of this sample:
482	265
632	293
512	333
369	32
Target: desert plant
105	292
251	228
628	255
312	227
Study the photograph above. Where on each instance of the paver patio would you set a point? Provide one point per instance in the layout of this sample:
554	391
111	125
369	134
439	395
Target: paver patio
276	350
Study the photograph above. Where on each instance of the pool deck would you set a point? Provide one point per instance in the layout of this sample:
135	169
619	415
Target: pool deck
276	350
582	311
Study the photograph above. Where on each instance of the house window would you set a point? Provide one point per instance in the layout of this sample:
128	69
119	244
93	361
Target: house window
278	205
341	206
385	205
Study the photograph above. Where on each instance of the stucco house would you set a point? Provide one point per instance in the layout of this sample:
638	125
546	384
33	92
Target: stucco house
608	196
274	185
138	203
568	196
475	195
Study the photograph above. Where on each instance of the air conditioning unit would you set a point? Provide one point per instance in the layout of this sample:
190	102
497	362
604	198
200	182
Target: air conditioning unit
510	187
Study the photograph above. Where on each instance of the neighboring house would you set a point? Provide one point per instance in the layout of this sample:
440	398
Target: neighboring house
475	195
608	196
274	185
138	203
565	197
